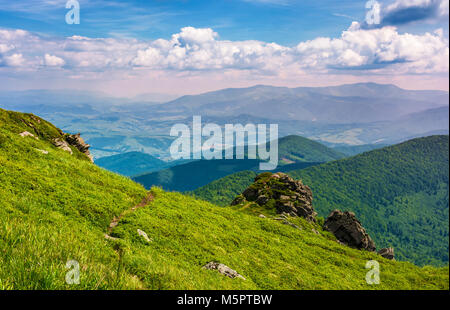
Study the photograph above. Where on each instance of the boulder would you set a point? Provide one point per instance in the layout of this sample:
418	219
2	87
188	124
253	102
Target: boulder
223	269
387	253
291	197
347	229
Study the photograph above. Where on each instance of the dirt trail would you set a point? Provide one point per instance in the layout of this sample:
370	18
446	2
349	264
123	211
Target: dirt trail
149	198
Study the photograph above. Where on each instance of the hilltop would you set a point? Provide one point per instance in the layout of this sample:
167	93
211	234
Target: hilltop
58	206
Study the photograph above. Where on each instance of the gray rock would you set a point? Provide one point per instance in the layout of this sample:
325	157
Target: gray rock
387	253
347	229
42	151
78	142
144	235
62	144
291	196
27	134
223	269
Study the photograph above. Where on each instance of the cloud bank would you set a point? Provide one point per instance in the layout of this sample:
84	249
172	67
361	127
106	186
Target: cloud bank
193	49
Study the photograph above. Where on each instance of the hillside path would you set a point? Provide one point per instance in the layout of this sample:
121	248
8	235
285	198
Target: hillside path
149	198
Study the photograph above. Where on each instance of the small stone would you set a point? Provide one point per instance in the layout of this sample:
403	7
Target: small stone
223	269
144	235
262	216
42	151
108	237
27	134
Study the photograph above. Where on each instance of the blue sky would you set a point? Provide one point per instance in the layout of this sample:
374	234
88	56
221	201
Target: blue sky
288	23
285	22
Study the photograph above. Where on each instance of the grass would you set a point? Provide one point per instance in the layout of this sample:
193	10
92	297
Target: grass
57	207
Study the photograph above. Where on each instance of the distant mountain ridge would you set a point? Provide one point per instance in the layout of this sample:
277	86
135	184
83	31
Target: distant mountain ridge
353	103
354	114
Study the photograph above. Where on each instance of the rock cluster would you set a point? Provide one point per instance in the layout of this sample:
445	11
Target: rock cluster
75	141
348	230
223	269
78	142
287	195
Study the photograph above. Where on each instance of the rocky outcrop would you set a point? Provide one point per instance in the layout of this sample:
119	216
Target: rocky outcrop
348	230
223	269
75	141
62	144
78	142
387	253
278	190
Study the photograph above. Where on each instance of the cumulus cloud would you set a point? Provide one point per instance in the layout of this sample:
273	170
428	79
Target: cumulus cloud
15	60
377	49
53	61
193	50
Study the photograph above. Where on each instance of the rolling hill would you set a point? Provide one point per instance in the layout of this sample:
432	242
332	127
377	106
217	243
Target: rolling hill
131	163
135	163
58	208
293	150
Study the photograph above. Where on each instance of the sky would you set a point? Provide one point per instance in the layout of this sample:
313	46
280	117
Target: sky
127	48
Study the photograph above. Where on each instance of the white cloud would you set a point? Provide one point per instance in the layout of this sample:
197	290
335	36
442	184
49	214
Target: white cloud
15	60
383	50
53	61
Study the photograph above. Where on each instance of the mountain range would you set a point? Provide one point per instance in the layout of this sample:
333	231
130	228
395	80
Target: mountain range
356	114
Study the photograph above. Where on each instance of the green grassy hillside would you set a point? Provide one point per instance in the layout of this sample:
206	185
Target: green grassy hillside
400	194
57	207
292	150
